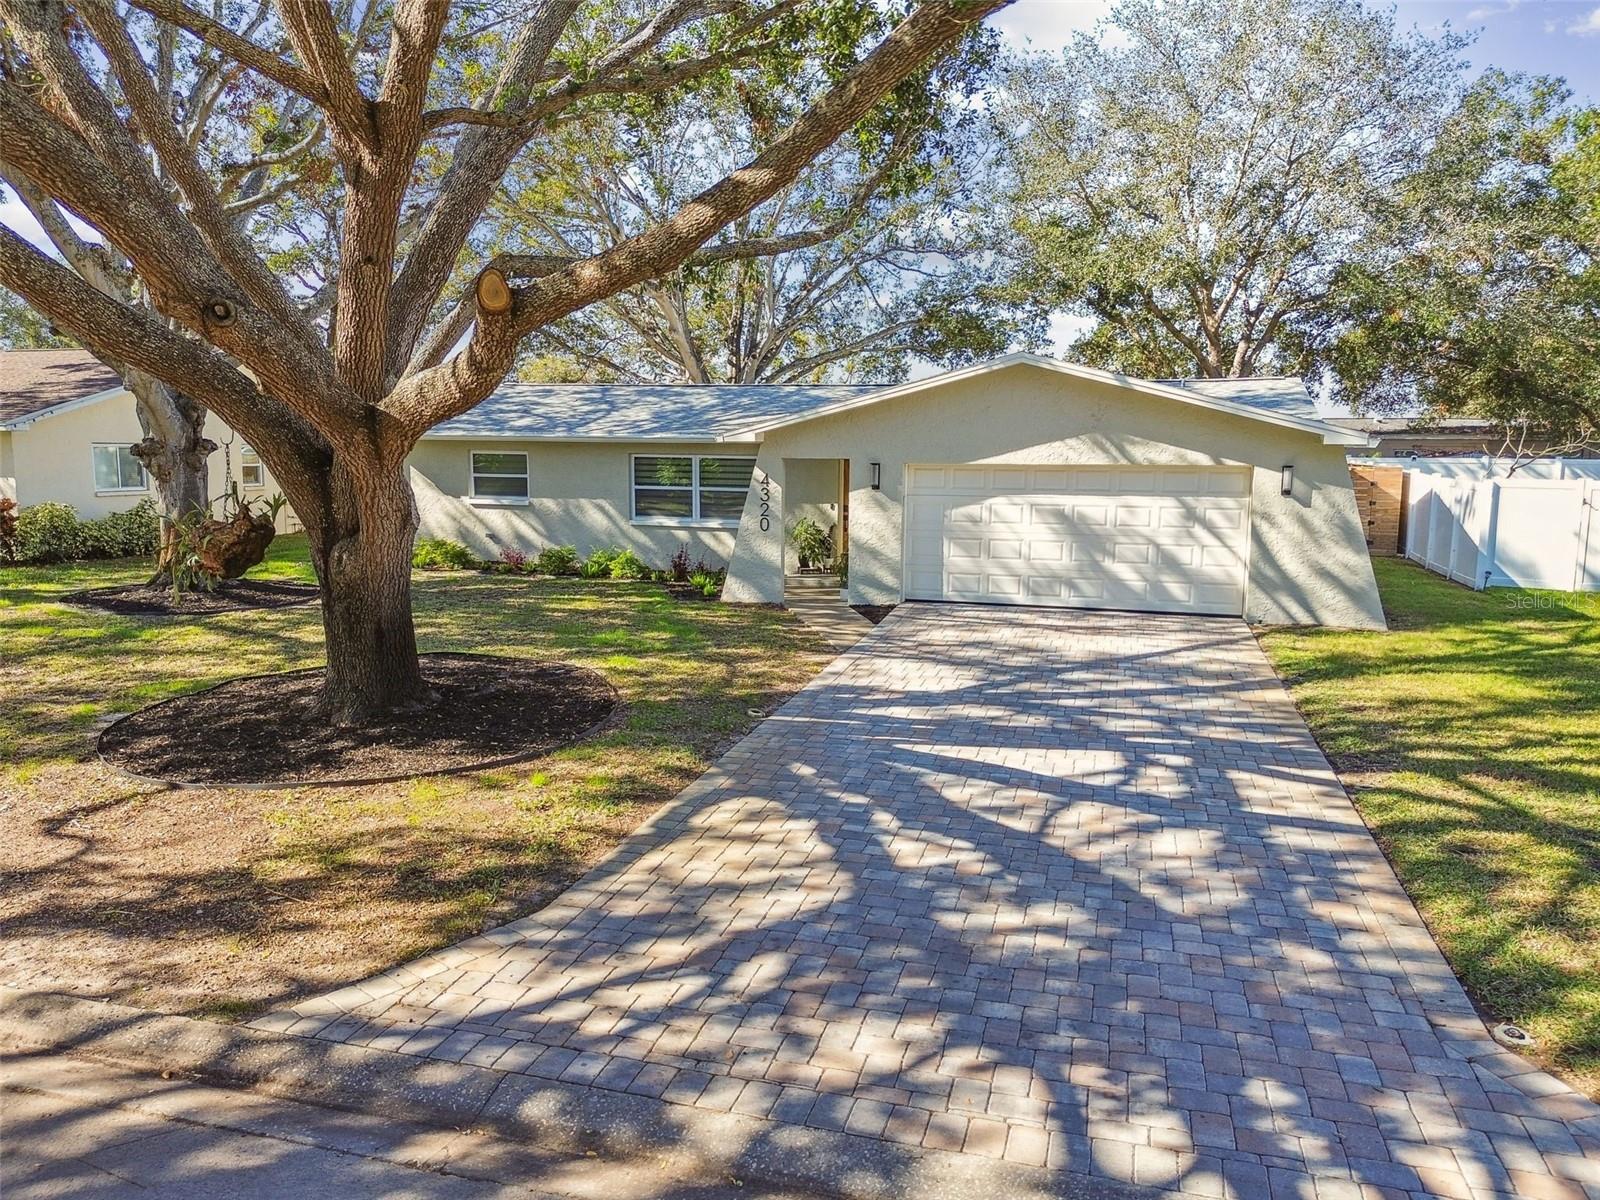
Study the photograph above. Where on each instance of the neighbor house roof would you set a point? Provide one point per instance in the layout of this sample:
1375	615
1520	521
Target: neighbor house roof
739	413
34	381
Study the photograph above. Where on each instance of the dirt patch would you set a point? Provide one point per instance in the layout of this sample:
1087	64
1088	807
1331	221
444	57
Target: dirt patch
231	595
874	612
264	729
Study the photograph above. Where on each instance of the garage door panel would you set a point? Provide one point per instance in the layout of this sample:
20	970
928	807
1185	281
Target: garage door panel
1159	539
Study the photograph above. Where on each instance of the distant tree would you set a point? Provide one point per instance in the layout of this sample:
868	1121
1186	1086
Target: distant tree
1482	297
864	260
21	328
1193	174
423	118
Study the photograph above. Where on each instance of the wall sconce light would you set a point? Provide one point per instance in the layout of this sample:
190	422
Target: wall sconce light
1287	483
877	476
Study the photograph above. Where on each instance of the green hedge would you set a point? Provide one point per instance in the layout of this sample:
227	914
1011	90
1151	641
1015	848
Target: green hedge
52	532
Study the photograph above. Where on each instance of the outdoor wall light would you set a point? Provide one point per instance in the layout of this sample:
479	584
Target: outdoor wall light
877	476
1288	479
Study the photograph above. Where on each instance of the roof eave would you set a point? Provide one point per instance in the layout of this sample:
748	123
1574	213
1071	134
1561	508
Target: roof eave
53	410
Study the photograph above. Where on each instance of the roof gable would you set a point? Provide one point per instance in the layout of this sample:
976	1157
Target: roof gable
32	382
1284	402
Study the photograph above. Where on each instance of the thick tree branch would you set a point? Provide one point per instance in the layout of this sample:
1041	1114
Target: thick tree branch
314	34
454	387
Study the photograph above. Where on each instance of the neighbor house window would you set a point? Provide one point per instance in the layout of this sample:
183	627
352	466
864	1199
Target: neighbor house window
117	470
499	475
690	488
250	469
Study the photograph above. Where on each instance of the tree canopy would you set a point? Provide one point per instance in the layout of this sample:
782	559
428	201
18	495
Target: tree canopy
419	110
1194	176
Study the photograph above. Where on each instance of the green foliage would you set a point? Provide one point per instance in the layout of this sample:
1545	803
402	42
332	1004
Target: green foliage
49	533
21	328
442	554
556	560
598	564
1190	185
133	533
8	530
628	565
709	583
185	561
1488	300
811	543
842	566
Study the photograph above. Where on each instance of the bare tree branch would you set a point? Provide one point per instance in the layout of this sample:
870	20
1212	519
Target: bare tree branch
240	49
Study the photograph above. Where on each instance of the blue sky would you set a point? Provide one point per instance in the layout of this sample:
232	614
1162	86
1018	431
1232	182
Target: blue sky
1550	37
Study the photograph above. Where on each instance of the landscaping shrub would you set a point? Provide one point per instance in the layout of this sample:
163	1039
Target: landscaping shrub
132	534
598	564
708	583
557	560
49	532
678	568
628	565
441	554
516	559
8	530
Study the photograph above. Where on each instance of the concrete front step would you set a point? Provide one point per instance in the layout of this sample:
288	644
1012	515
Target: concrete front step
811	579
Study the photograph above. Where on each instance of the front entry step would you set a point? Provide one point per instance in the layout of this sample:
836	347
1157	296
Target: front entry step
811	579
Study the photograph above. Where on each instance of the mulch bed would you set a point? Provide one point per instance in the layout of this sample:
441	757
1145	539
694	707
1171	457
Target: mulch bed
874	612
263	730
231	595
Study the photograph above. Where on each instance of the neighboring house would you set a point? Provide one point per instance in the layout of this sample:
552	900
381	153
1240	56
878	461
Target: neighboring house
66	425
1020	481
1413	437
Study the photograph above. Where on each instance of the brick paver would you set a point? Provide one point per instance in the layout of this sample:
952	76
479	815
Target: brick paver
1064	888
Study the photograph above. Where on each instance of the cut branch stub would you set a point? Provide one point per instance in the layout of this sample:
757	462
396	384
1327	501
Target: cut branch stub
220	312
494	294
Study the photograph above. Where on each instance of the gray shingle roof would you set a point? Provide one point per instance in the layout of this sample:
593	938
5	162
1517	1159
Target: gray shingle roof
34	380
1285	395
632	411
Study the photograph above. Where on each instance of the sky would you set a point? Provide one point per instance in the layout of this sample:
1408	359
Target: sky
1549	37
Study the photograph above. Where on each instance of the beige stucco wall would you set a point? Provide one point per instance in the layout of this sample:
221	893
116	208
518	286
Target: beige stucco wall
1308	557
52	458
579	496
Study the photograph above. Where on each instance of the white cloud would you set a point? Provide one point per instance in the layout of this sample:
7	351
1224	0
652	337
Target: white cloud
1587	26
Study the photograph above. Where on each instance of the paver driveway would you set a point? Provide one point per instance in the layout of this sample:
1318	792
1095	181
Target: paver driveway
1075	889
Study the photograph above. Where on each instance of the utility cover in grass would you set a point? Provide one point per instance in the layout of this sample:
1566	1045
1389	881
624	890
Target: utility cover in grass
264	730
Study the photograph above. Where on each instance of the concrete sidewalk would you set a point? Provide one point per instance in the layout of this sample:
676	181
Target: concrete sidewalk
74	1128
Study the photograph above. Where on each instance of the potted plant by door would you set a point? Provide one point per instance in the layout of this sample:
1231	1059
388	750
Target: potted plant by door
812	545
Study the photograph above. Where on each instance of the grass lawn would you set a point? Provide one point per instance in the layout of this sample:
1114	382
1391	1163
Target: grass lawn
220	901
1470	736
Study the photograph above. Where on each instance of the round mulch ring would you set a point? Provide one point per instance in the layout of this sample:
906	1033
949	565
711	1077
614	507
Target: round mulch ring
264	730
231	595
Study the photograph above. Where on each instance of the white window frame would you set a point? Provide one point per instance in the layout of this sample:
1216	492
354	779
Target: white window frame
695	520
122	489
499	501
246	466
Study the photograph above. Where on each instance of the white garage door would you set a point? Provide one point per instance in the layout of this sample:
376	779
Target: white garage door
1160	539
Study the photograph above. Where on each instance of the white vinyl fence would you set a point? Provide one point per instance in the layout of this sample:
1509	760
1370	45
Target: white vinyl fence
1497	532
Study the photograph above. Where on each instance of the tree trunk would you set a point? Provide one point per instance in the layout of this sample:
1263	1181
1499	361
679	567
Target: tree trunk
363	561
174	451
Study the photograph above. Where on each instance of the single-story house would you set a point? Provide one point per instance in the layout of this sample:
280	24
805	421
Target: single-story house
1019	481
66	423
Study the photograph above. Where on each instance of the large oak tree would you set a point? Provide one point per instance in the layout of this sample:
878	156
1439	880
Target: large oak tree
334	405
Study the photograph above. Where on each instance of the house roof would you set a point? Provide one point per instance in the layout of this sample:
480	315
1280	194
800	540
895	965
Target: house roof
742	413
33	381
634	412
